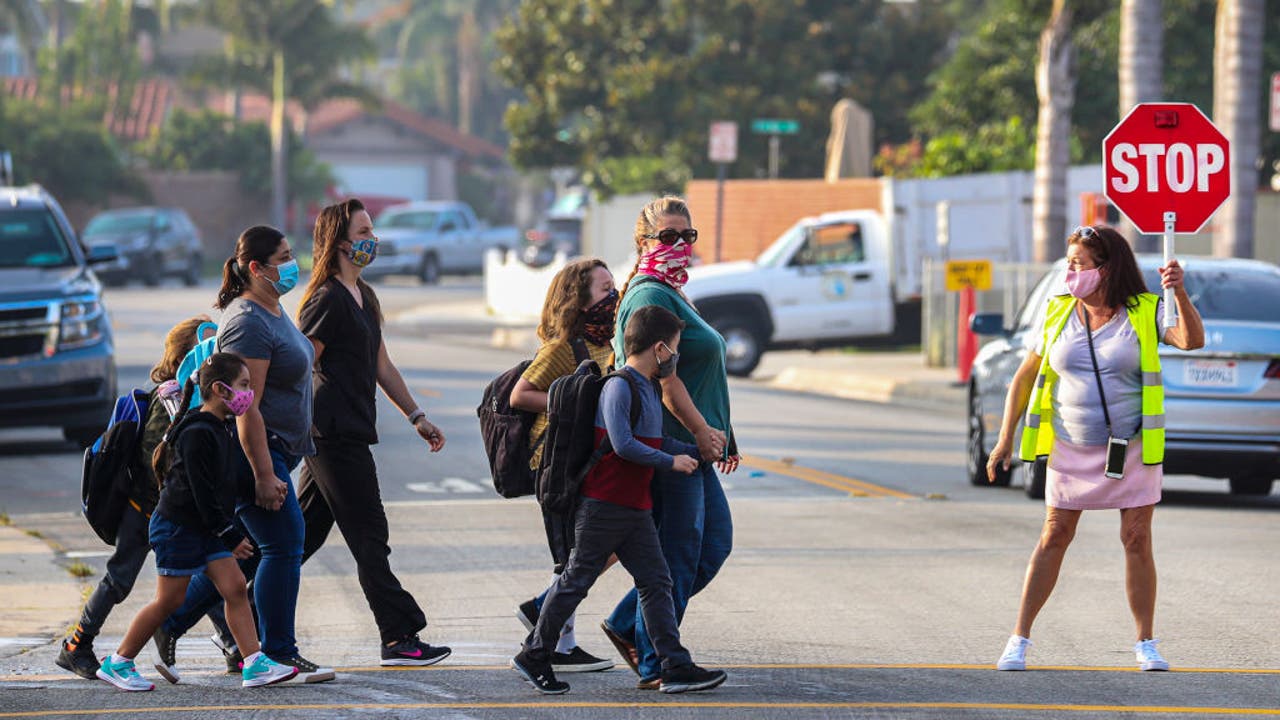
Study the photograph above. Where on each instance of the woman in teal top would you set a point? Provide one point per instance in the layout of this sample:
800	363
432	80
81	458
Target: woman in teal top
692	513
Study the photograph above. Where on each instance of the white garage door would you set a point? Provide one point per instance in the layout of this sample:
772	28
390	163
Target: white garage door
406	181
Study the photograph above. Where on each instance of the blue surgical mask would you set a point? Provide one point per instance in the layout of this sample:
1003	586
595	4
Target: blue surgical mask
363	252
288	276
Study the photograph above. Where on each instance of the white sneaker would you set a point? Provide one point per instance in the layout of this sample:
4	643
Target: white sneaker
1149	657
1015	654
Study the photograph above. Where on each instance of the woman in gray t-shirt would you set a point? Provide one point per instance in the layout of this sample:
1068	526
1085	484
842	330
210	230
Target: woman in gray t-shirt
275	433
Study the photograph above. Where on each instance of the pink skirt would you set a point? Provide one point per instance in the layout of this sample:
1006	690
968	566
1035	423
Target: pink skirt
1074	480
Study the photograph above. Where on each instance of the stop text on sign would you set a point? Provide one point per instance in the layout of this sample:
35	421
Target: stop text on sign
1182	166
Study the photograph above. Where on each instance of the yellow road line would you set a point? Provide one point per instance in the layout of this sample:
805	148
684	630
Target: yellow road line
1021	707
820	477
60	677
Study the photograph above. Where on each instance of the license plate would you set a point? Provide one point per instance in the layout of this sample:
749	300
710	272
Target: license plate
1210	373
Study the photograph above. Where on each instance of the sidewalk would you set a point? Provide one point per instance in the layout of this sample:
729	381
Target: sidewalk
38	592
881	377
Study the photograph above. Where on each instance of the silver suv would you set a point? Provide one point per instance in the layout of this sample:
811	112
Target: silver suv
57	357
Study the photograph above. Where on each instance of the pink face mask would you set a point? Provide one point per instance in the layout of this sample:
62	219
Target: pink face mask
1082	283
240	400
668	263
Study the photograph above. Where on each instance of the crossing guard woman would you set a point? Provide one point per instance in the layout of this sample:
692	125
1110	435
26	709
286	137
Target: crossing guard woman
341	316
1094	403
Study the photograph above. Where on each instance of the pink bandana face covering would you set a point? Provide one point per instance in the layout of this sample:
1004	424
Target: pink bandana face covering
668	263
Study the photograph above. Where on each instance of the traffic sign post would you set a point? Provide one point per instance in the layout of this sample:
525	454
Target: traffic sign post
1165	167
967	277
722	149
773	128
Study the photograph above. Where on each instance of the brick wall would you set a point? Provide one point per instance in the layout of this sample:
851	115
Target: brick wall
756	212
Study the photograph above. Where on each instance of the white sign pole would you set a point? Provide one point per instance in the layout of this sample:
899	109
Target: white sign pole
1170	305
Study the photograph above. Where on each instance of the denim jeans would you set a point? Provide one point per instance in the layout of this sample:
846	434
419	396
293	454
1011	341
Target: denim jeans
276	568
696	532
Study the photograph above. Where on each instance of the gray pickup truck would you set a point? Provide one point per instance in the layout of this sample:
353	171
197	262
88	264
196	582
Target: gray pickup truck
57	356
433	238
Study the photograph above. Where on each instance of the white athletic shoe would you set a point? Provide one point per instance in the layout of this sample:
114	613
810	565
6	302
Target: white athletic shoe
1149	657
1015	654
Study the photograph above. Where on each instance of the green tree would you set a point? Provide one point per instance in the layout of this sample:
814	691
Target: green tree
990	76
98	64
287	49
26	20
206	140
602	79
67	150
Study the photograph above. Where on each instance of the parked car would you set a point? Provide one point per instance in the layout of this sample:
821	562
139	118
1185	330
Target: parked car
430	239
1222	402
57	357
154	243
552	235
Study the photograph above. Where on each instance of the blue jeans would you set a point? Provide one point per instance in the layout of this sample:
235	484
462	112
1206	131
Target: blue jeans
276	568
696	532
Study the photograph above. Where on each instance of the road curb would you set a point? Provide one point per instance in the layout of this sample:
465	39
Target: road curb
868	388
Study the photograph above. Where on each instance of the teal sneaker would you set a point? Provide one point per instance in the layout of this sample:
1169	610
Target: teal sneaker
265	671
123	675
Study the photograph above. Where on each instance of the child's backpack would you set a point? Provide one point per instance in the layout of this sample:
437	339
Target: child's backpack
570	449
195	357
111	465
505	430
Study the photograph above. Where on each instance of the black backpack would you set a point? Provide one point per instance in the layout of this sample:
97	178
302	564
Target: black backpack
505	430
111	465
570	450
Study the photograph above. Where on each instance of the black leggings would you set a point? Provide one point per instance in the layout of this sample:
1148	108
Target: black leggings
340	484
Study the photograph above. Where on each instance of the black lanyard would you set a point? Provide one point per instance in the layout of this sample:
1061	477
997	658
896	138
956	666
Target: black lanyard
1097	375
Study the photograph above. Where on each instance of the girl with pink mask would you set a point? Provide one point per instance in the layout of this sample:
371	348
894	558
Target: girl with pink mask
192	528
1092	396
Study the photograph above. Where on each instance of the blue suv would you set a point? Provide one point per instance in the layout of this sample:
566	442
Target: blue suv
57	356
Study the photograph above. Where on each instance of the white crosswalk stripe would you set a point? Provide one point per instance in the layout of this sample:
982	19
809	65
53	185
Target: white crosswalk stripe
447	485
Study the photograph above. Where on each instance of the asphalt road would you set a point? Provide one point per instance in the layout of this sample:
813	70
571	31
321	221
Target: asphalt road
867	580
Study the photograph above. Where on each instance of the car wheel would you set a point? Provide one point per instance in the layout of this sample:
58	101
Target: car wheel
743	345
151	271
429	271
976	460
1034	481
83	437
194	269
1250	485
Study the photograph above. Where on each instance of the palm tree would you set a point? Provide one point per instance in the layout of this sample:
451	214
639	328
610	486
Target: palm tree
1141	74
1237	79
289	50
1056	89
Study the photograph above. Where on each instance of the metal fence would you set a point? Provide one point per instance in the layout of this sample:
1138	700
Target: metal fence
1011	283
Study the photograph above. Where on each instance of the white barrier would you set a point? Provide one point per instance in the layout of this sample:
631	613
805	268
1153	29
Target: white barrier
513	291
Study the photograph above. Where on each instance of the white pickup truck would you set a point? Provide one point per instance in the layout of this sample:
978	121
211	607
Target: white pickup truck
432	238
827	280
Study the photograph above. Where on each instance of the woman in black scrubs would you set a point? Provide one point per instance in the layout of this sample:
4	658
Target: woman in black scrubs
341	316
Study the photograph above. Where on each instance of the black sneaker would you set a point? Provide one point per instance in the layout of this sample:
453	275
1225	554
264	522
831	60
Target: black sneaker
308	672
578	660
230	653
690	678
412	651
79	659
167	649
528	614
539	674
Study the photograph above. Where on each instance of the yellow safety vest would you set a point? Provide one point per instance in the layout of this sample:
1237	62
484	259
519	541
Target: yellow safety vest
1037	428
